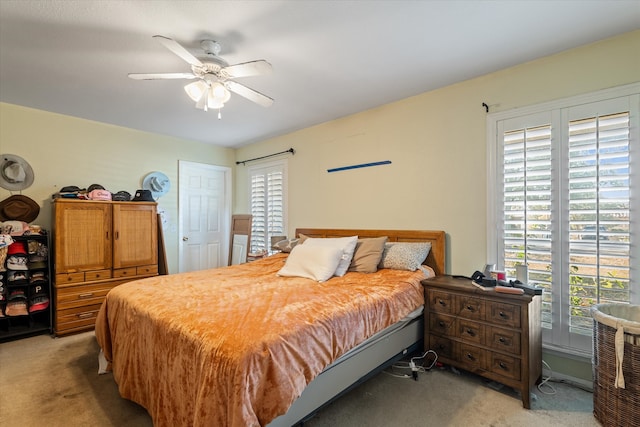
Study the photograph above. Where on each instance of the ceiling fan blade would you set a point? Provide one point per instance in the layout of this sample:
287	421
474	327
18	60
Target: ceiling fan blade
250	94
245	69
177	48
161	76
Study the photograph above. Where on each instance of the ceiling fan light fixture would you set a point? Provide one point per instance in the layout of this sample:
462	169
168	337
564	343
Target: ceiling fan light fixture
215	103
218	91
195	90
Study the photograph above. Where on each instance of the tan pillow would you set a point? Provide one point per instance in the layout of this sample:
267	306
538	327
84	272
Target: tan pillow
302	238
368	254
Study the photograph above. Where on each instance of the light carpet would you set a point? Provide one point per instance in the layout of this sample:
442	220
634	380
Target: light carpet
54	382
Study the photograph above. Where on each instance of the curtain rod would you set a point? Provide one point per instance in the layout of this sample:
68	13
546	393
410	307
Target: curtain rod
290	150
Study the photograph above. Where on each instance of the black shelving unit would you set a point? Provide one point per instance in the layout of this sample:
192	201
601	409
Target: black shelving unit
34	322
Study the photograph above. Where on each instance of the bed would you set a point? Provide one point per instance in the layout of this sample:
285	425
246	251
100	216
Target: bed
246	346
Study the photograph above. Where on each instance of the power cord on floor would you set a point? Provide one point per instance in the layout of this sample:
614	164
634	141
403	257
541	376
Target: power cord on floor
546	380
415	364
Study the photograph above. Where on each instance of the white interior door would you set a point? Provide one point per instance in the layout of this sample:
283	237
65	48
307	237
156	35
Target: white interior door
204	216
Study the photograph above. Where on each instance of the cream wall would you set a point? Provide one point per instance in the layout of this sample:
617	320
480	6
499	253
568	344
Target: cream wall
64	150
436	142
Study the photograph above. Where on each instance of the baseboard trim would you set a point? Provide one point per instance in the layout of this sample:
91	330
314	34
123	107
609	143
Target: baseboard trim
555	376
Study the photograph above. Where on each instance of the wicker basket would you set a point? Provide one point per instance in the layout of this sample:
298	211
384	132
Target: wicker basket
616	382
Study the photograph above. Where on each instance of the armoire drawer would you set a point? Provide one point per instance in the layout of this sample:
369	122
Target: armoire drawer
125	272
82	276
146	270
72	319
82	295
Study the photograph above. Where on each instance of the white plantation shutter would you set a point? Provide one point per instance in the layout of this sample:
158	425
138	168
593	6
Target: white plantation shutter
267	204
563	205
599	220
527	208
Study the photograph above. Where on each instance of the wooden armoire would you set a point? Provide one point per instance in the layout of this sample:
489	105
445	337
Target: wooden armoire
98	245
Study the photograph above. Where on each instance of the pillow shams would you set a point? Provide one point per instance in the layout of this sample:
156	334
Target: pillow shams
404	255
313	262
368	254
286	245
346	244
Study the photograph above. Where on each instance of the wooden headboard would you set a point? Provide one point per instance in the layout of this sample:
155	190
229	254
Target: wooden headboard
435	260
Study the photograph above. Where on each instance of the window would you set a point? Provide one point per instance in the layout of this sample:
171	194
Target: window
268	204
564	201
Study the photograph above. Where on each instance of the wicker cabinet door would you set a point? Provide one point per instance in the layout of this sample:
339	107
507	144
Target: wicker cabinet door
135	235
82	236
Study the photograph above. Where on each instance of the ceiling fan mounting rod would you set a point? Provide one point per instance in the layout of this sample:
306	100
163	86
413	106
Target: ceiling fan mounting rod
210	47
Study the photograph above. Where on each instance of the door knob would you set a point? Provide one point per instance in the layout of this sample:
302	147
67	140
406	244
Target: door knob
185	238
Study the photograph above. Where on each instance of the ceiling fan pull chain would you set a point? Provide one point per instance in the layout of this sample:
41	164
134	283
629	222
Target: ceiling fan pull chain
219	114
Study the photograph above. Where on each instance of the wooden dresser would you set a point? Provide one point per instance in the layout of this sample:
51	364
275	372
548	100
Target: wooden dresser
98	245
495	335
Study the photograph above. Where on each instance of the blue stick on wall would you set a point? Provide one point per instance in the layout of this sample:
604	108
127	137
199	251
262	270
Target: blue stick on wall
362	165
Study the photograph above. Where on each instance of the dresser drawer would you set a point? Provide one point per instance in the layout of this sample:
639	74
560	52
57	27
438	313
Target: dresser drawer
506	366
504	340
441	323
470	308
473	358
442	302
504	314
442	346
470	331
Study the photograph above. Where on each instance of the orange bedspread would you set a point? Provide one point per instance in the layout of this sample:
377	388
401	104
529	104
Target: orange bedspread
235	346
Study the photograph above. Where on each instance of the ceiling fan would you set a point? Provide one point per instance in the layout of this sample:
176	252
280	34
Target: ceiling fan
214	76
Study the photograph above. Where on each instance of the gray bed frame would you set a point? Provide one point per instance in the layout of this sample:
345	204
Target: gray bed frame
378	352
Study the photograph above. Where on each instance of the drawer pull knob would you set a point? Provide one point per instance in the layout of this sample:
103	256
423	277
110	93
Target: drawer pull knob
441	347
470	332
85	315
470	356
502	314
502	340
470	308
441	324
87	295
441	302
503	365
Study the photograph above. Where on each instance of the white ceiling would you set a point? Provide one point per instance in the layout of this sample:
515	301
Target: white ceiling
330	58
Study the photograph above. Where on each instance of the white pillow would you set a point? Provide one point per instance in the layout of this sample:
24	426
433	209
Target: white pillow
313	262
346	244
